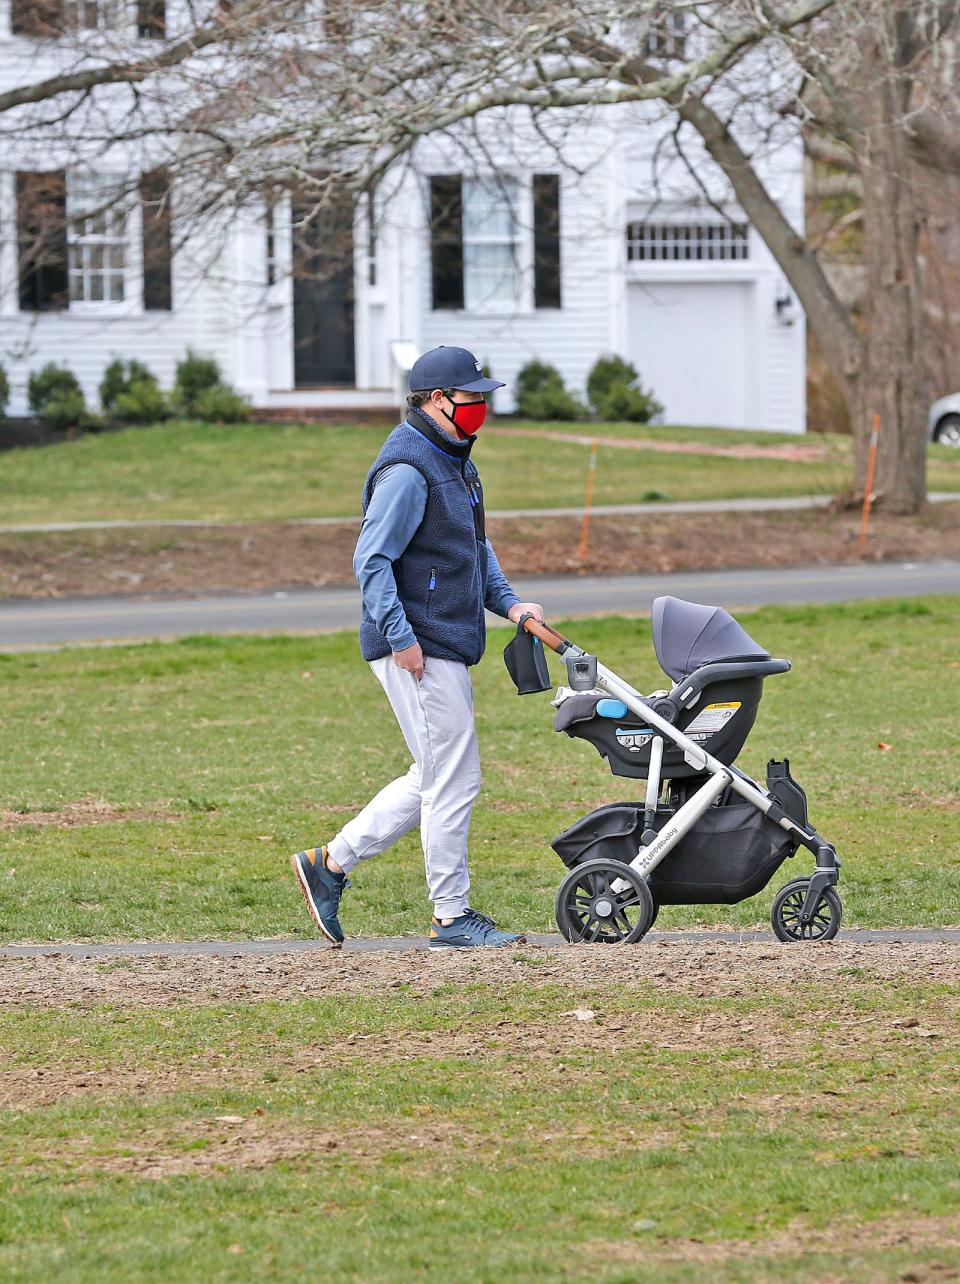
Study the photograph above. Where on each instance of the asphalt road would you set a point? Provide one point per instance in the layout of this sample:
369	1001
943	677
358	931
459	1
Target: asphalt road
227	949
29	624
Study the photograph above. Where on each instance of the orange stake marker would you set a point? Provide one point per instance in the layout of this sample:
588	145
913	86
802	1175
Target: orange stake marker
585	528
868	489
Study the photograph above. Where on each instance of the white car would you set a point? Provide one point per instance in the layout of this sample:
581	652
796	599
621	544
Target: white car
943	423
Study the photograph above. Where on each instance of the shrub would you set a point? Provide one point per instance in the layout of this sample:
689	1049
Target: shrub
553	403
607	373
195	375
66	409
541	394
534	377
49	382
118	378
615	393
142	402
622	403
4	390
222	405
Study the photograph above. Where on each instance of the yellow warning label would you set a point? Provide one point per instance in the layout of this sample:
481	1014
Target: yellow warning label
711	719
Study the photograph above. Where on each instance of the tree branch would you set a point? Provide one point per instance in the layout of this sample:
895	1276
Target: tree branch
134	70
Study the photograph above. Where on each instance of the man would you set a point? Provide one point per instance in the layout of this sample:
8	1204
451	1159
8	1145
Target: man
426	571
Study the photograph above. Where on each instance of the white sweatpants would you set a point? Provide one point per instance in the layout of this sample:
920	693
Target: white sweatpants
439	790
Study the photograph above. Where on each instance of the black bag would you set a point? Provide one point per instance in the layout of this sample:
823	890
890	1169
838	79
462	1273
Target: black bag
526	662
731	853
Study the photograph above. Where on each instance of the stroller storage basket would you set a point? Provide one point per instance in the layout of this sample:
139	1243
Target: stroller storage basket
731	853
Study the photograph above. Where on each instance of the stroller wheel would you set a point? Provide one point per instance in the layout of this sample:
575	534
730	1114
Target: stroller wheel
606	902
785	914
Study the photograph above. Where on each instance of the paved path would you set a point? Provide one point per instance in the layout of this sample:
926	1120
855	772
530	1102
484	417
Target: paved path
399	944
758	505
53	622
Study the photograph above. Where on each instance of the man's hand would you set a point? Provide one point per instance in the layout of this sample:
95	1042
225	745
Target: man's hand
525	608
411	659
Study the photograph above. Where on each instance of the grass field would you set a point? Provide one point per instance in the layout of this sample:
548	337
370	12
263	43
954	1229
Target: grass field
215	758
269	472
671	1112
780	1122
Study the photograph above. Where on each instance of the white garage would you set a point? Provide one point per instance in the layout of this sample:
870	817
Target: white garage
691	343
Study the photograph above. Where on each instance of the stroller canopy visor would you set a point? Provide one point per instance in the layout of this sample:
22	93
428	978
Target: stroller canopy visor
687	635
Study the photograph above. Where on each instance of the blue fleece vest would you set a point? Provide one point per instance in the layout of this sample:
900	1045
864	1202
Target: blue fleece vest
442	573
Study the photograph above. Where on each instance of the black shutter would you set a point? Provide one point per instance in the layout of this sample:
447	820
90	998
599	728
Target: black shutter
151	19
42	241
546	240
37	18
446	239
157	246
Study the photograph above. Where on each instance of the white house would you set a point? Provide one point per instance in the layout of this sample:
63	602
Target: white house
558	252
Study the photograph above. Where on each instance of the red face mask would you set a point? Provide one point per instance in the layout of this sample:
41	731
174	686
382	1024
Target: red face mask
468	417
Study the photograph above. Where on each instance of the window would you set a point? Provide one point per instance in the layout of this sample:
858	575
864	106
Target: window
151	19
37	19
481	247
83	15
96	239
490	269
686	242
41	19
667	36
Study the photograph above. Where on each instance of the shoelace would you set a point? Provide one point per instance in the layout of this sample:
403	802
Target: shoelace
479	918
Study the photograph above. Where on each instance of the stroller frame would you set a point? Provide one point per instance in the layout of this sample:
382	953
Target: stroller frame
655	846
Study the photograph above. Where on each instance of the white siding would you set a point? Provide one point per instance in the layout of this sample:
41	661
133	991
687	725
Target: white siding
750	373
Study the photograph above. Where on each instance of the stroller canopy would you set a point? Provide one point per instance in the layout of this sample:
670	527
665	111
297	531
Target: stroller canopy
687	635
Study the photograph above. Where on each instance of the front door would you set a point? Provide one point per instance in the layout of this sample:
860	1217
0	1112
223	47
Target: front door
323	334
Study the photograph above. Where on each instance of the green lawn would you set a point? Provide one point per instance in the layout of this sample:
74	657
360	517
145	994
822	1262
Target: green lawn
475	1133
242	750
257	472
733	1114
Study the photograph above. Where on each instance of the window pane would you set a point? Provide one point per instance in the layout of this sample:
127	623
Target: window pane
97	237
489	206
490	275
490	242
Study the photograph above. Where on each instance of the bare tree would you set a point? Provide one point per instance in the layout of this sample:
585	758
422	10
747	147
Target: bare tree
265	94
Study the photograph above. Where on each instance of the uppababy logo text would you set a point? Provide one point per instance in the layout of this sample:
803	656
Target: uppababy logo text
647	857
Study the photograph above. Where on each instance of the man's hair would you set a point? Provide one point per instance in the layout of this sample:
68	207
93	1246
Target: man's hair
416	399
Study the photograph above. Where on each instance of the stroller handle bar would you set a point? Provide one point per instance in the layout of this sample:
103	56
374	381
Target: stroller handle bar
548	636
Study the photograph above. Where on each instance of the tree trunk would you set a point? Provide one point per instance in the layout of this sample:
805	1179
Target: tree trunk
894	384
842	345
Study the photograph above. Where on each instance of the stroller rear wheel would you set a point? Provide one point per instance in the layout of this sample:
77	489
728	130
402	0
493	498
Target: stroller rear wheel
786	911
606	902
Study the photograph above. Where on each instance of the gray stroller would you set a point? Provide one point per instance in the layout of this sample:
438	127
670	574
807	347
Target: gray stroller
705	832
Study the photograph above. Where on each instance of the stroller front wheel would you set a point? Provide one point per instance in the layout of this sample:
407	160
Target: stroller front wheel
785	916
604	902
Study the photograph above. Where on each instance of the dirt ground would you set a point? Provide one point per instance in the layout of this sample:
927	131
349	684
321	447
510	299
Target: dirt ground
199	560
708	970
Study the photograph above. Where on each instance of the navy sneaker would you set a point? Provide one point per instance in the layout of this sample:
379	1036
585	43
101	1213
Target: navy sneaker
470	930
322	889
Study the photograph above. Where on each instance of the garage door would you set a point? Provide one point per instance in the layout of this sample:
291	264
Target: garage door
691	344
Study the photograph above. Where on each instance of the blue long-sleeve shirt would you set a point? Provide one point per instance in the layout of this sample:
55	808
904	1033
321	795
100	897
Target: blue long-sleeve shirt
395	511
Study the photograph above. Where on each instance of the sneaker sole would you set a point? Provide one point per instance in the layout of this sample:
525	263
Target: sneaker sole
301	883
448	945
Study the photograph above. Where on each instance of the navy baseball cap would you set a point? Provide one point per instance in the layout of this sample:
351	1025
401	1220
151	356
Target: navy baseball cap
450	368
